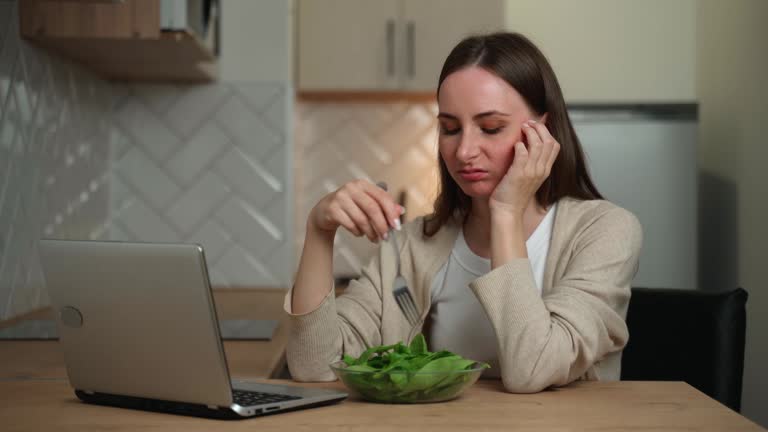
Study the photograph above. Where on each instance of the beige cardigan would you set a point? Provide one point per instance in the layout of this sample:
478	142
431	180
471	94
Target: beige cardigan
575	329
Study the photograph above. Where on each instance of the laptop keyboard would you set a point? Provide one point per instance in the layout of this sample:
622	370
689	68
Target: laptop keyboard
249	398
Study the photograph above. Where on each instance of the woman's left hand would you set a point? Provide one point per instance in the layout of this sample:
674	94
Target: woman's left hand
529	168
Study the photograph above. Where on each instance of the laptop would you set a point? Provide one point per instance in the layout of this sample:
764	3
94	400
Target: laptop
138	329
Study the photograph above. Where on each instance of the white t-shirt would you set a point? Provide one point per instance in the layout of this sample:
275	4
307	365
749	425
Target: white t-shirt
459	322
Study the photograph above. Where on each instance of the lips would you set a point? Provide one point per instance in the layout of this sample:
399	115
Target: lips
471	174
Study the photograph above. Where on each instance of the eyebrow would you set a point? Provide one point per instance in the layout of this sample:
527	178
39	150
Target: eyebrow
475	117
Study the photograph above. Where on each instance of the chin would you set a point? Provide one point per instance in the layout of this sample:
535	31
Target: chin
477	189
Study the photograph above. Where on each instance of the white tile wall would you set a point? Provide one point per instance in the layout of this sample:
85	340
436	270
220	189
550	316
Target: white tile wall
82	158
194	157
208	164
338	142
146	130
54	157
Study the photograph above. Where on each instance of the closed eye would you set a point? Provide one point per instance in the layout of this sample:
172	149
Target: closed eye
493	131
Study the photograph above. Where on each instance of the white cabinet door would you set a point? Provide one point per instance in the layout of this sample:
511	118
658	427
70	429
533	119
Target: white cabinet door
434	27
347	44
614	51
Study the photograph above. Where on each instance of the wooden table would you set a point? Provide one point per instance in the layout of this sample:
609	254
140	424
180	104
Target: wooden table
35	396
246	359
619	406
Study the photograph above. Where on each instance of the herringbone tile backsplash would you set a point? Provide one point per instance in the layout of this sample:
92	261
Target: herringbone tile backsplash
84	159
338	142
207	164
55	130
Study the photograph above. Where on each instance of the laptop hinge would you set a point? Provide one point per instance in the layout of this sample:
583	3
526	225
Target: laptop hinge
213	407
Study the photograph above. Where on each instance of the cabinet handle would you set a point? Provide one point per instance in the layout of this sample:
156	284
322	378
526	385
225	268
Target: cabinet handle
390	47
410	36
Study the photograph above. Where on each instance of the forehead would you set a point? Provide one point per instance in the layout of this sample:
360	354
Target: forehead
473	90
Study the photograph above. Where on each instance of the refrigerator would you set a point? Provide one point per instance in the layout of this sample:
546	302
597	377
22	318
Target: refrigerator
643	158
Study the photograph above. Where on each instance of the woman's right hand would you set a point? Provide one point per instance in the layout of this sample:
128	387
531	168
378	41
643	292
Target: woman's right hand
359	206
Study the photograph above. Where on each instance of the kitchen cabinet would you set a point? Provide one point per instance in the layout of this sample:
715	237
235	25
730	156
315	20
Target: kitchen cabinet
614	51
347	44
603	51
432	29
384	45
118	40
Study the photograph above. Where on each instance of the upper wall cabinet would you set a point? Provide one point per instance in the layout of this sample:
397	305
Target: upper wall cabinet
614	51
148	40
384	45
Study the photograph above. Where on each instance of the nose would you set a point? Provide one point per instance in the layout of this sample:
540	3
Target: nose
468	147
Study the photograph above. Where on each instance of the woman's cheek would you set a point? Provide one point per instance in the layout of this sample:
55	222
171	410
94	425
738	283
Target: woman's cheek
508	154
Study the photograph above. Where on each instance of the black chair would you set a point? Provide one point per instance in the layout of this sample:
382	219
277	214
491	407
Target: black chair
688	335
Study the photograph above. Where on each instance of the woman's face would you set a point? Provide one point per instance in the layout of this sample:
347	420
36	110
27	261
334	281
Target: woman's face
481	118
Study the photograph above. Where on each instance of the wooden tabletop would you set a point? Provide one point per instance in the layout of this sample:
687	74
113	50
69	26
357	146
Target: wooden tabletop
35	396
617	406
246	359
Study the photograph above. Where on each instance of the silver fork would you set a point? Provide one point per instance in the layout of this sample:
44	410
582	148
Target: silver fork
400	290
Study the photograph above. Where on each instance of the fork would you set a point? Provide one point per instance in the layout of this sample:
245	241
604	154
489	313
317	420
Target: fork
400	290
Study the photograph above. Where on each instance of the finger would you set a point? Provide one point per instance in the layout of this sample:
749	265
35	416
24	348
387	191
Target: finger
359	217
534	144
521	157
391	209
549	144
337	214
374	212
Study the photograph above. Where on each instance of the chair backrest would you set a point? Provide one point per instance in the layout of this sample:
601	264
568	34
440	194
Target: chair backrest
688	335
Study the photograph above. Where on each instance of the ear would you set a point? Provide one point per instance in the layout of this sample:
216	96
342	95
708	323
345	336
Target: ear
543	119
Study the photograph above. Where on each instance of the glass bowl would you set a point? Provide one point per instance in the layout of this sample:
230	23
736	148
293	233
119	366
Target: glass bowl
406	387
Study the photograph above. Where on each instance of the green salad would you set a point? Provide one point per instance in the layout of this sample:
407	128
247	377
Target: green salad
409	373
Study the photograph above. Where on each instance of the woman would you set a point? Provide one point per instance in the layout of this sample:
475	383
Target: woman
522	264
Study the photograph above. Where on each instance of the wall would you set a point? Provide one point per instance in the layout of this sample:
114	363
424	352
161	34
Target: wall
733	154
207	164
256	40
55	134
83	158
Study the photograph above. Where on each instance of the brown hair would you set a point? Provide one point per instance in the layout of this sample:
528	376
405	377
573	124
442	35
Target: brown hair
515	59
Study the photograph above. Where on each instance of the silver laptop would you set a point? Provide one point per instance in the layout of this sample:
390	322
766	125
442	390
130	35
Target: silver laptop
138	329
